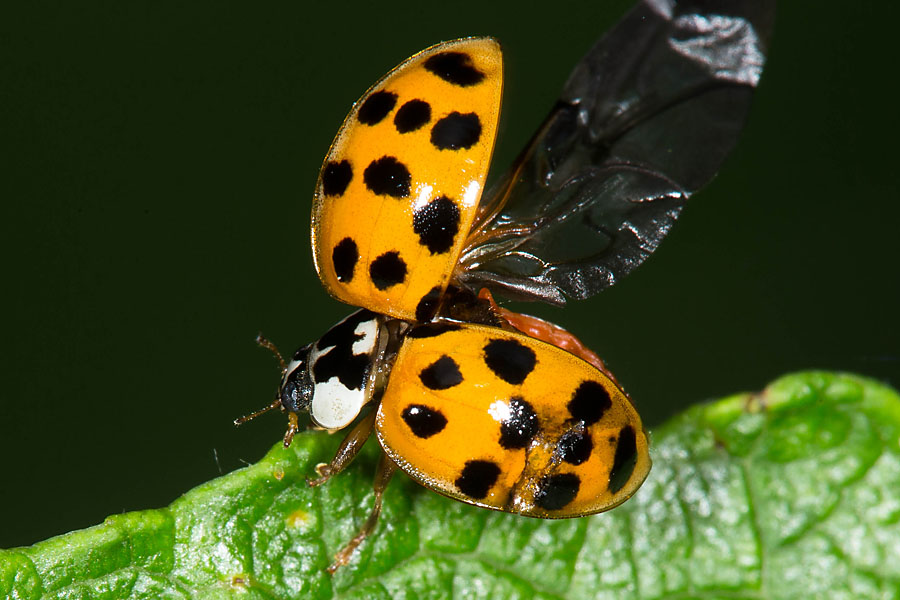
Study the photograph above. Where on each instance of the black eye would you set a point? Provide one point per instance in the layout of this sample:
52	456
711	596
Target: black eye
296	390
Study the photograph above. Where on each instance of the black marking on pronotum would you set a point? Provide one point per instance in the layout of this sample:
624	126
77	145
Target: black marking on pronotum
437	224
557	491
428	305
413	115
350	369
589	402
477	478
423	421
442	374
432	329
344	258
575	447
345	331
387	270
455	68
517	430
376	107
509	360
624	460
456	131
336	177
387	176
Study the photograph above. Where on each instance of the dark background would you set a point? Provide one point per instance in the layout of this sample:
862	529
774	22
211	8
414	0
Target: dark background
157	169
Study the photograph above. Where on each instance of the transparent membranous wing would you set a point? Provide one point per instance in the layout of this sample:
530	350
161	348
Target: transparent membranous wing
645	120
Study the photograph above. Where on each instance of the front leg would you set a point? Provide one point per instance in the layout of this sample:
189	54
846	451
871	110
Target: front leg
347	451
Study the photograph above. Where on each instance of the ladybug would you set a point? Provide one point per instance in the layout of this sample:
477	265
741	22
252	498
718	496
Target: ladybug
490	407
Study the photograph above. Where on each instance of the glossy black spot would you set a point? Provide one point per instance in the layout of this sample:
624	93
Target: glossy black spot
387	270
424	422
456	131
509	360
376	107
589	402
477	478
412	116
442	374
557	491
437	224
344	258
575	447
517	430
387	176
428	305
432	329
624	460
455	68
336	177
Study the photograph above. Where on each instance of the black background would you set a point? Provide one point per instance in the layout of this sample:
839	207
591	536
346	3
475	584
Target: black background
158	164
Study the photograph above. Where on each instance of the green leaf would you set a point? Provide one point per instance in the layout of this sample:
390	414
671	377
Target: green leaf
790	493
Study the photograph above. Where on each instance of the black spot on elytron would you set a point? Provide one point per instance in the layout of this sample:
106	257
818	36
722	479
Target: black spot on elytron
455	68
557	491
376	107
387	176
456	131
477	478
350	369
336	177
589	402
442	374
624	460
387	270
412	116
432	329
424	422
344	258
521	425
437	224
509	360
575	447
428	305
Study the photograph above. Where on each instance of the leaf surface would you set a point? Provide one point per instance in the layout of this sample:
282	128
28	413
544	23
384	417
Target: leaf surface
793	492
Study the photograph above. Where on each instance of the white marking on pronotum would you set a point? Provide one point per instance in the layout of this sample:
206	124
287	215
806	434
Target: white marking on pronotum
368	330
334	406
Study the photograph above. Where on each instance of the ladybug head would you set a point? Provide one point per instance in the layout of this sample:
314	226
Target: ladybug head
296	388
295	391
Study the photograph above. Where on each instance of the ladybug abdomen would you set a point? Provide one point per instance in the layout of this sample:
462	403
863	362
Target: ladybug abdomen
498	419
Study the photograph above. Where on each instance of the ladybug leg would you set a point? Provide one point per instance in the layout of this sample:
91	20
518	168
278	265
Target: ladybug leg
386	468
347	451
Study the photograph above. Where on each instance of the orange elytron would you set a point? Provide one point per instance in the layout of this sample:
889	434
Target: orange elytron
401	183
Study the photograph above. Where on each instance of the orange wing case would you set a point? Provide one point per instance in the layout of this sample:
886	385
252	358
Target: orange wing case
400	186
500	420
